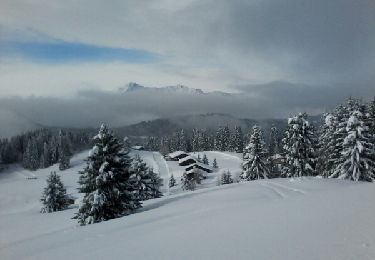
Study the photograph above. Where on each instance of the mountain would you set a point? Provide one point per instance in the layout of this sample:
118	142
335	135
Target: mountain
211	121
133	87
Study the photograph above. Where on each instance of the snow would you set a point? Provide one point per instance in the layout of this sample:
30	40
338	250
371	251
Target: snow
300	218
175	154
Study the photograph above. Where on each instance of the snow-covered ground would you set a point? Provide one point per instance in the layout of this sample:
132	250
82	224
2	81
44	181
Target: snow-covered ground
306	218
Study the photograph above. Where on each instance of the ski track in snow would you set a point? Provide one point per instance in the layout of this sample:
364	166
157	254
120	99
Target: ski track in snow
163	169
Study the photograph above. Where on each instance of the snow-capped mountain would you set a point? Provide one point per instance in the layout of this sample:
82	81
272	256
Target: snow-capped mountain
177	89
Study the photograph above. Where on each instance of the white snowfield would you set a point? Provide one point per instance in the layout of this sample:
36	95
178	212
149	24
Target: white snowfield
305	218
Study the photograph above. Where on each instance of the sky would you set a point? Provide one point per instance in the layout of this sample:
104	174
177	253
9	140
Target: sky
321	50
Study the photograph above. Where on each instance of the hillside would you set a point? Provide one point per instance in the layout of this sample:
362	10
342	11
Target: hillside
307	218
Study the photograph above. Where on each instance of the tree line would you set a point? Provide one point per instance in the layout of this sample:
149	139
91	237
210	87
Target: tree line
42	148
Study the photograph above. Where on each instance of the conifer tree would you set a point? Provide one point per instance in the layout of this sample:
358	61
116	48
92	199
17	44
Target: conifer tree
54	195
358	158
274	142
254	165
199	159
148	183
188	181
105	182
64	152
299	147
237	140
182	143
214	164
226	178
205	159
172	181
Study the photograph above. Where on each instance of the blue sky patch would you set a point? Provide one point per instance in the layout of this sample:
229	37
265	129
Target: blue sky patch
63	52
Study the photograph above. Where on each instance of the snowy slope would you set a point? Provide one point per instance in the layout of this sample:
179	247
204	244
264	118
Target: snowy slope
306	218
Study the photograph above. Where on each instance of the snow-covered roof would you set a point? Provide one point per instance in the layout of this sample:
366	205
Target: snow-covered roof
199	166
175	154
138	147
186	159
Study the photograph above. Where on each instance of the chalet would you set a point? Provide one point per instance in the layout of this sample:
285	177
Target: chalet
188	160
199	166
175	156
138	148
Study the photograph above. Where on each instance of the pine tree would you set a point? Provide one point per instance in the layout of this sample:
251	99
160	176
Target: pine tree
188	181
255	165
127	144
148	183
64	152
237	140
182	143
327	145
172	181
54	195
205	159
45	157
226	139
214	164
371	119
31	157
226	178
218	143
299	147
358	159
274	142
105	182
199	159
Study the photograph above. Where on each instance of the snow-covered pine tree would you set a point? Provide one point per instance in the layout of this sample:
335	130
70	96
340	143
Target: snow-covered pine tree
226	178
147	181
64	152
237	140
255	165
205	159
182	143
358	157
108	193
127	144
371	119
226	139
31	157
214	164
299	147
195	140
274	142
218	142
54	195
45	157
172	181
188	181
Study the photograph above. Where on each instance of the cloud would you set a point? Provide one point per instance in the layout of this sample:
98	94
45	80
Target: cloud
90	108
284	56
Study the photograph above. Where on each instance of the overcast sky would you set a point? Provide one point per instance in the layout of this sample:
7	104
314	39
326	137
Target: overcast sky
323	48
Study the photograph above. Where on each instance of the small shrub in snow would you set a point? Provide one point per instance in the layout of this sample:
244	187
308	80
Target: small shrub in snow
188	181
214	164
172	181
54	195
205	159
226	178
